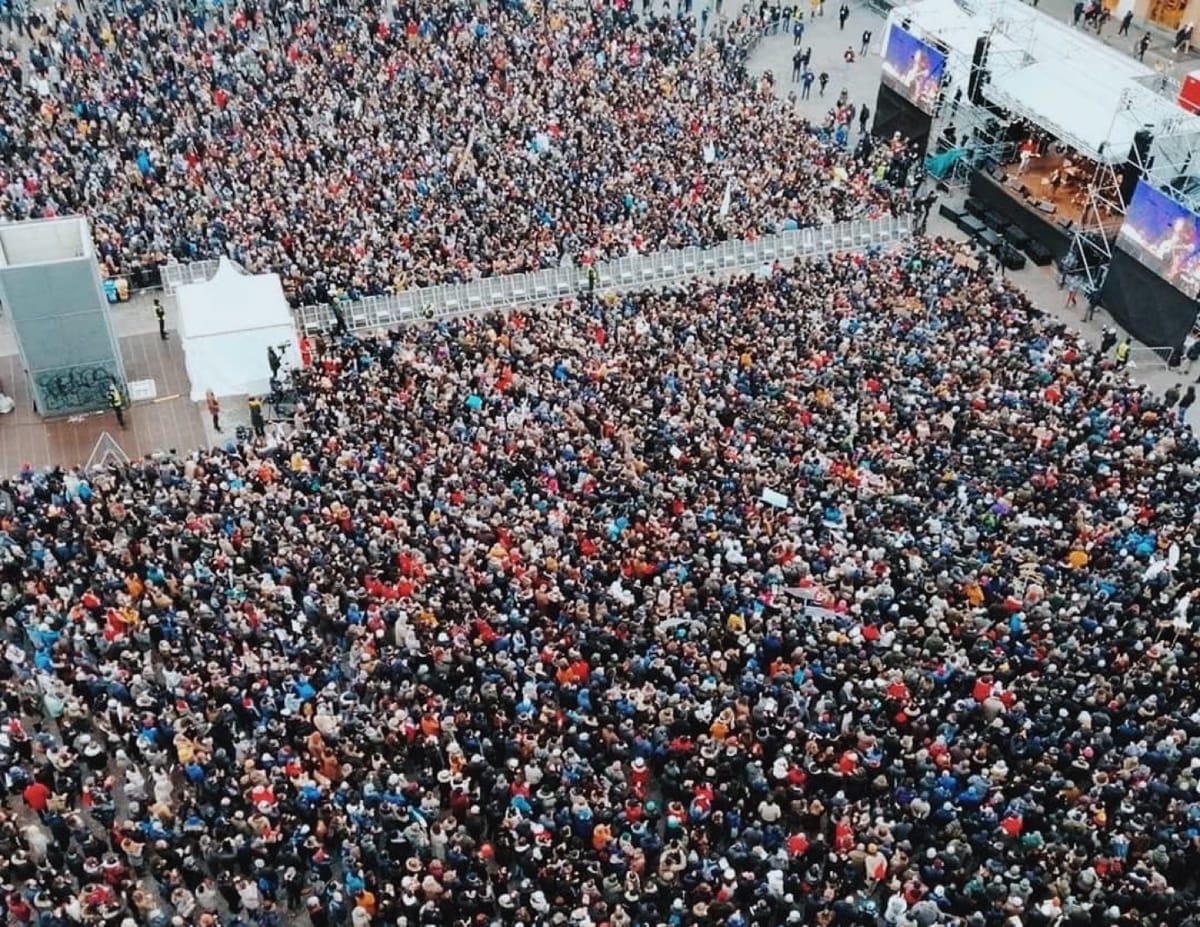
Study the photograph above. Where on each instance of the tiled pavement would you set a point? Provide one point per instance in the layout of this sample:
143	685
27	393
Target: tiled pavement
170	421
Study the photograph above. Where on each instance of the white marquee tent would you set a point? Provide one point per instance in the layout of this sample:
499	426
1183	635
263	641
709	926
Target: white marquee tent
226	325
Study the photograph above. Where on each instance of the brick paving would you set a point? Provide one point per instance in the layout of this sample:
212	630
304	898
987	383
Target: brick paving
162	424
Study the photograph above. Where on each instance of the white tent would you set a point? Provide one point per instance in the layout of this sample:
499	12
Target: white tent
226	326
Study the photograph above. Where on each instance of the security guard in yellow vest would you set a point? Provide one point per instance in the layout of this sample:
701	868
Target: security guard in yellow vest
1123	352
117	401
256	417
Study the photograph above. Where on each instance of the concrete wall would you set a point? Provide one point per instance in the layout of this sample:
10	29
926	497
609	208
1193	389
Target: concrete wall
48	240
59	315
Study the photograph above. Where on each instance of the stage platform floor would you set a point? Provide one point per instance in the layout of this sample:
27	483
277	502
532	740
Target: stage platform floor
169	421
1070	195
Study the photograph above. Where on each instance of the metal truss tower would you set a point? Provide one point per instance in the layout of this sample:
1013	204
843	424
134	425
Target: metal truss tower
979	128
1169	153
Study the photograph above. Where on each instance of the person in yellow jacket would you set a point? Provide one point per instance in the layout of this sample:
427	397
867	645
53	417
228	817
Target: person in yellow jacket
116	401
1123	352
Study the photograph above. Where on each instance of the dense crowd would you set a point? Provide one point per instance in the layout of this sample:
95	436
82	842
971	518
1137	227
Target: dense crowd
852	594
356	152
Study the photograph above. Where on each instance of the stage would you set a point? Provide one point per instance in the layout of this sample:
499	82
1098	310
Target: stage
1048	213
1053	180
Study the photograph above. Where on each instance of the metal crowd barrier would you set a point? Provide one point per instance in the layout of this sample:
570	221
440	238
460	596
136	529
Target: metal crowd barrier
176	275
629	273
1151	357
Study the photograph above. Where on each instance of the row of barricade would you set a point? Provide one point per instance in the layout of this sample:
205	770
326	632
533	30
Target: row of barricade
175	275
641	271
635	272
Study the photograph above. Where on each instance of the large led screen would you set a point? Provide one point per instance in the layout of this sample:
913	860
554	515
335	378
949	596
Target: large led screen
912	68
1164	236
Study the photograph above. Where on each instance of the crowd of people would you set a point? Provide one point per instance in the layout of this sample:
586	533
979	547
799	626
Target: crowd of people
362	147
852	593
855	593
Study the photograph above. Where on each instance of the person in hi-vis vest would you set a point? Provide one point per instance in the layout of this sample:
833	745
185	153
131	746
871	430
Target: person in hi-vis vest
116	401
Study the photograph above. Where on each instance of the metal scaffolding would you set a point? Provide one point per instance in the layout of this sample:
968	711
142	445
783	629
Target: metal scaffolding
1007	46
1171	155
999	45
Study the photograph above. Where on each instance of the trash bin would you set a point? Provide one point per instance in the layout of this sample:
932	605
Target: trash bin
146	278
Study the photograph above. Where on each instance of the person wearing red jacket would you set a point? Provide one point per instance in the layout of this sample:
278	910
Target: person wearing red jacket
639	778
37	797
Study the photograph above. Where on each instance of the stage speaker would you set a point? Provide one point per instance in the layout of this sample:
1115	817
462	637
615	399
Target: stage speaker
989	239
970	226
1039	253
1011	258
1139	157
1016	237
979	75
994	220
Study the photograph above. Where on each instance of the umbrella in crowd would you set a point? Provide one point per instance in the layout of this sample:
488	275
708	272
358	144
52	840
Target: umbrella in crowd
852	594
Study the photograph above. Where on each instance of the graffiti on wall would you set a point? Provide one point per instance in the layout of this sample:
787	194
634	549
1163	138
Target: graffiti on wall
74	390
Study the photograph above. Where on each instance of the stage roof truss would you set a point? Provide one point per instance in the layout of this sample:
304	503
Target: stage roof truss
1158	93
955	27
1020	108
1175	149
1028	52
1175	152
1176	141
1011	42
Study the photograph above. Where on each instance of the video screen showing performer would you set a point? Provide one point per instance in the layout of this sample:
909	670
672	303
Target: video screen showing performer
1164	235
912	68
